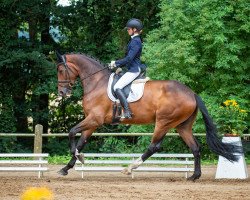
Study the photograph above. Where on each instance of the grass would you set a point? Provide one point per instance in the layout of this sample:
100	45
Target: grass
59	159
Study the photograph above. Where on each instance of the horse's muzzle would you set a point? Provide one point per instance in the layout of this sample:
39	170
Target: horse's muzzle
64	92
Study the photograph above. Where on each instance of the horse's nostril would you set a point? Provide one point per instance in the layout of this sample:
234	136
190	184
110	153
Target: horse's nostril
61	93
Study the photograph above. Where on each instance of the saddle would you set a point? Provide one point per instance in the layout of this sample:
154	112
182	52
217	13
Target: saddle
126	90
132	91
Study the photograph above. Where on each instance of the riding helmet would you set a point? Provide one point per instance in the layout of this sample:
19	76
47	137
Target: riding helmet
134	23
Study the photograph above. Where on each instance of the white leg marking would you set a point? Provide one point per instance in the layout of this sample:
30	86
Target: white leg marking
134	165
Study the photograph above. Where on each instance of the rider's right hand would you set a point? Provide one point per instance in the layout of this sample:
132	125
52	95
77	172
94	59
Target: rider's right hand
112	65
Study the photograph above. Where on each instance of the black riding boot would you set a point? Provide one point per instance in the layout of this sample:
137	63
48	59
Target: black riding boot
127	113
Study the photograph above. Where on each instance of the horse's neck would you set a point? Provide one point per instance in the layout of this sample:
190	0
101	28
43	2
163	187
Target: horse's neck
92	76
94	83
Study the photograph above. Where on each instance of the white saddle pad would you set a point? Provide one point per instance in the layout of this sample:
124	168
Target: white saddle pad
135	93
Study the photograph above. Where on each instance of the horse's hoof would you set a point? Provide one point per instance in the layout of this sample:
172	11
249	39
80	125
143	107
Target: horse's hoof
62	172
80	157
194	177
126	171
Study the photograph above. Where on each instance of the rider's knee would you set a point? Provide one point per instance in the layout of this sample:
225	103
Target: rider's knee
116	86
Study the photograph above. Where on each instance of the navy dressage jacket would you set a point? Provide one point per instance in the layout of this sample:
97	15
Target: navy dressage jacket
132	59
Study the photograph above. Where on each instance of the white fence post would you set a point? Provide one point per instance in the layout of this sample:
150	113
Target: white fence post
232	170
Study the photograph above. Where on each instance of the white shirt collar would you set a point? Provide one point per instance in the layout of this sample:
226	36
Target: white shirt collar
134	35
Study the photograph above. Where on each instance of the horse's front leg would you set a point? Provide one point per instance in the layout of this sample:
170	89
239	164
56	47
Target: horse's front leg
80	145
88	124
87	127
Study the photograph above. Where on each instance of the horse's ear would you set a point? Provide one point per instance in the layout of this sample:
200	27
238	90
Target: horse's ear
59	57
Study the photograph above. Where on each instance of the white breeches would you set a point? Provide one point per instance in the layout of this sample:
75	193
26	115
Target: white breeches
127	78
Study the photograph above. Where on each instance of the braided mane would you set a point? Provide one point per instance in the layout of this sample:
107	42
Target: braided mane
90	57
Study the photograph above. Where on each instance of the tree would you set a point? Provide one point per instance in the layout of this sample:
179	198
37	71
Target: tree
97	27
24	64
204	44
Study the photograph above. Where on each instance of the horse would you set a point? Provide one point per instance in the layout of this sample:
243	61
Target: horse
166	103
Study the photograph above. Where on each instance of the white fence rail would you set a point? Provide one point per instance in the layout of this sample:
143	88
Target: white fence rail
114	162
38	136
18	162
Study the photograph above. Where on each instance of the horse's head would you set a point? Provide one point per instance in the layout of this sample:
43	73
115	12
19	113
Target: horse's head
67	74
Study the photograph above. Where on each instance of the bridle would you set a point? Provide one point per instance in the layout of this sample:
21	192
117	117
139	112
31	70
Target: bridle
67	69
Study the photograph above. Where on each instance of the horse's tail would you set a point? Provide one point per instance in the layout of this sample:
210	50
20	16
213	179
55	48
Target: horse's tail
213	141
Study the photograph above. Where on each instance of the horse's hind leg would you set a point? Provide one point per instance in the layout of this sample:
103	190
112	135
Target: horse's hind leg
185	131
156	141
192	143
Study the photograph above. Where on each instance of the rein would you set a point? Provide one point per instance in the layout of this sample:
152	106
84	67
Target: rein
93	73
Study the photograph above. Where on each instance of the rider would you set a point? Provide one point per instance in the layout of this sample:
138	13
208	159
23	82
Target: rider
131	61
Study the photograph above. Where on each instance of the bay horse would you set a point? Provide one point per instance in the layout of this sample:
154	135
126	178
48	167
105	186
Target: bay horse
166	103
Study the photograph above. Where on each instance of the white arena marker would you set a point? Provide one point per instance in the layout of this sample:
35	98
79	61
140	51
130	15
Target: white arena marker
232	170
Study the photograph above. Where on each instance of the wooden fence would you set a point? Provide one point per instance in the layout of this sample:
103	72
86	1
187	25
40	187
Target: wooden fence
38	136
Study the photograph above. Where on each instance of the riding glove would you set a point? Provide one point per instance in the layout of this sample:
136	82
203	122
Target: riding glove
112	64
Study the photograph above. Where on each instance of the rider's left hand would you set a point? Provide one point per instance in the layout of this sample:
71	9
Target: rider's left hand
112	64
